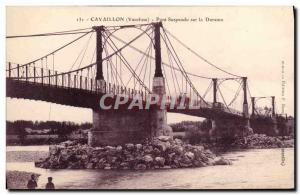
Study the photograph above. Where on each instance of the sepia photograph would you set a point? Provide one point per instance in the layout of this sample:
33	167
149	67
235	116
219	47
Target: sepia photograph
150	98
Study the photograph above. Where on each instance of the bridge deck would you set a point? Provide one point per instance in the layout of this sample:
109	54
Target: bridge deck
89	98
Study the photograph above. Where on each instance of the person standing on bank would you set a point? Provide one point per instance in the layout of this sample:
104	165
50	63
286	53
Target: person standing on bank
32	183
50	185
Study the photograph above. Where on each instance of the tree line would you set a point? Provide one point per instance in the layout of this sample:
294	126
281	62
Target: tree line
61	128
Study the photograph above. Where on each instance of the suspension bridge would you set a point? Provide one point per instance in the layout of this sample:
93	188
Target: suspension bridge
144	62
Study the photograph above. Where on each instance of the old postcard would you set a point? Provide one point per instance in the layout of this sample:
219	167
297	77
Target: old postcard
150	98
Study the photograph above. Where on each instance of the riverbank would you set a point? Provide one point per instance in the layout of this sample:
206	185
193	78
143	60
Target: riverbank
18	179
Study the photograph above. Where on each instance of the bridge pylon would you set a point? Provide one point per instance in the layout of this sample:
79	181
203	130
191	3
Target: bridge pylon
215	85
248	129
100	82
159	125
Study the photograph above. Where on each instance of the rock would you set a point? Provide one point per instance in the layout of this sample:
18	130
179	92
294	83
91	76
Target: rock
164	138
222	161
84	157
65	155
171	155
167	130
178	141
148	158
110	148
162	145
107	168
90	166
138	146
148	149
55	149
68	143
129	146
160	161
124	164
119	148
178	149
190	155
140	167
200	148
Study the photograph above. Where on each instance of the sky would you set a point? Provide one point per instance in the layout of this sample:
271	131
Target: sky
256	42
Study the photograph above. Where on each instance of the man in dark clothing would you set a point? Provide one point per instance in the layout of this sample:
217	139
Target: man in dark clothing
32	183
50	185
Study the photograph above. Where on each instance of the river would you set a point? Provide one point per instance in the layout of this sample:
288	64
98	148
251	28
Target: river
251	169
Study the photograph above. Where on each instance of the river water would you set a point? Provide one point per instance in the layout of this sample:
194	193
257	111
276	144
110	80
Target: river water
251	169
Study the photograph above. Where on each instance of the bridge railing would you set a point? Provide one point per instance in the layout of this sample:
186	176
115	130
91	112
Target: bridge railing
46	76
75	80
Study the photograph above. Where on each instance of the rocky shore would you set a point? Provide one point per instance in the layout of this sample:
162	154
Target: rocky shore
260	141
161	153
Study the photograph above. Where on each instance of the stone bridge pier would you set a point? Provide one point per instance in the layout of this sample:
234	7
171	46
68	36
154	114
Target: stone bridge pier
230	127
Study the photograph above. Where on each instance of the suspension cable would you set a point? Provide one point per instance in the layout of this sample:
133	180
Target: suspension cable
85	50
223	99
179	64
163	63
127	64
67	32
208	62
60	48
106	58
236	95
207	90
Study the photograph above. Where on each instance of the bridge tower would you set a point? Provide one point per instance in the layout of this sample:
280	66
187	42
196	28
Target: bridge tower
253	105
159	125
245	108
274	119
100	82
273	106
212	131
245	103
215	83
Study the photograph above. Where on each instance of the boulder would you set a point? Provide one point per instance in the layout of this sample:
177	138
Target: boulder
222	161
140	167
148	158
178	141
148	149
164	138
55	149
190	155
90	166
160	161
138	146
129	146
162	145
